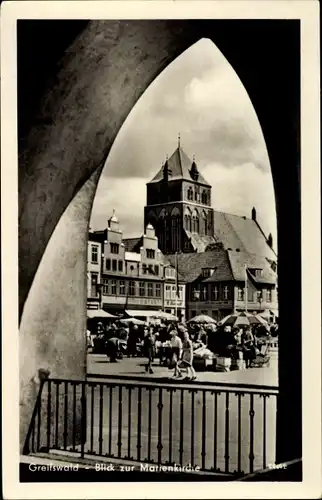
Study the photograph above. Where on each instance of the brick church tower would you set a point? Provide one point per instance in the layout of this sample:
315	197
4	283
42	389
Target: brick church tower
179	206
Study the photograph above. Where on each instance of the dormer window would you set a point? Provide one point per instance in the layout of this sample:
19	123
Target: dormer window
207	271
256	272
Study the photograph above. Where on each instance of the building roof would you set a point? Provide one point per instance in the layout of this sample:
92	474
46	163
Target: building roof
199	242
190	265
132	244
238	261
179	165
241	233
227	265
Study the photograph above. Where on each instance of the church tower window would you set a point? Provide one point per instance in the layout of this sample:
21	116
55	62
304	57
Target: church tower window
204	223
190	193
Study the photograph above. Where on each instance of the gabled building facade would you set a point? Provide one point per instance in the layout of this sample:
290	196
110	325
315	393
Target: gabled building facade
131	275
221	282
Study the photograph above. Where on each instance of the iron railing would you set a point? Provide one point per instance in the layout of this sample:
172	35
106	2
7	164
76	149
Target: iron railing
226	428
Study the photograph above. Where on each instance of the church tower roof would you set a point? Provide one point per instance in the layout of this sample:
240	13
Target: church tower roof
180	167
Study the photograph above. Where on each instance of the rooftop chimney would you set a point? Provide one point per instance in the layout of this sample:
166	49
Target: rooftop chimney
254	213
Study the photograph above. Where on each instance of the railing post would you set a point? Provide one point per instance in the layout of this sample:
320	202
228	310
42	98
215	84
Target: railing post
170	390
110	422
192	427
227	433
100	424
83	419
139	423
149	424
48	413
181	426
119	434
129	422
57	415
65	413
160	408
74	416
251	432
203	440
92	418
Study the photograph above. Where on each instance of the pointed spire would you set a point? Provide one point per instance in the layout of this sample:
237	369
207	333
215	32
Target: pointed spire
179	140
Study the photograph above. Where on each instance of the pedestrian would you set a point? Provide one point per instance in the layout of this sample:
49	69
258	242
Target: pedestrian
187	356
112	349
176	351
149	348
248	346
132	341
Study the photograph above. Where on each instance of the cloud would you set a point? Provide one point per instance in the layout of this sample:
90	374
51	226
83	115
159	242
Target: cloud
127	198
200	96
239	189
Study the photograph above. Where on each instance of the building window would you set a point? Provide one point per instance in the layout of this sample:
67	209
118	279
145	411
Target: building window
114	265
173	292
115	247
94	281
150	289
180	292
156	270
215	292
142	289
122	288
113	287
197	194
204	197
158	290
168	292
190	193
226	292
94	254
196	293
269	295
240	293
120	266
144	268
205	224
132	288
105	287
187	219
204	293
150	254
108	264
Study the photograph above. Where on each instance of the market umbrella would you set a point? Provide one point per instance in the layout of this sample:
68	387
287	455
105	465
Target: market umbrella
132	321
202	318
99	313
242	318
165	315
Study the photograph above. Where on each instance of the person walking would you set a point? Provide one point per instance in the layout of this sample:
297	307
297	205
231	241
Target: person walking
248	346
149	347
176	350
187	356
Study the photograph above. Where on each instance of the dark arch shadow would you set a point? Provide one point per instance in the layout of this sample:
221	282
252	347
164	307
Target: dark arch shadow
265	56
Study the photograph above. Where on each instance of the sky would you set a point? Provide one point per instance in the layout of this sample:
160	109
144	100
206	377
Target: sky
201	97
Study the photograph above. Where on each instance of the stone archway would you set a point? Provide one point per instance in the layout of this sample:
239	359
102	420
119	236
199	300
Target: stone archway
101	76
